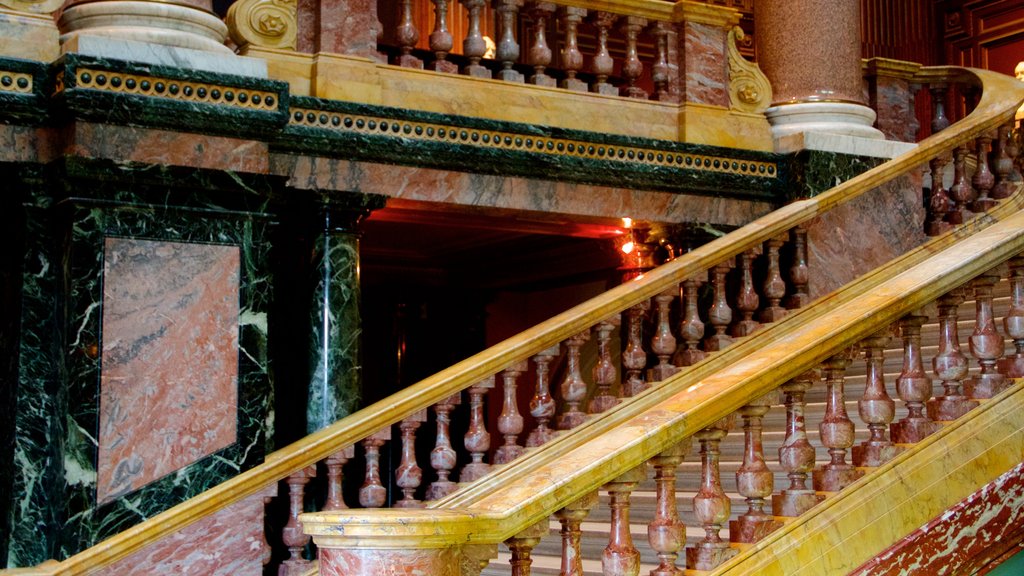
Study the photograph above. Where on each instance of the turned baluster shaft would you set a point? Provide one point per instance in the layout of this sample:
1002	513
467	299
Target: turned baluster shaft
335	463
747	300
663	343
473	45
875	407
477	440
634	357
774	287
571	517
913	386
754	480
632	67
542	405
799	273
292	535
443	457
441	41
573	388
960	192
507	49
409	475
796	455
1002	165
983	179
620	557
604	370
986	344
1013	322
601	65
939	120
711	505
372	493
539	55
691	329
836	430
510	421
521	546
407	36
666	533
572	58
661	71
940	204
950	364
720	315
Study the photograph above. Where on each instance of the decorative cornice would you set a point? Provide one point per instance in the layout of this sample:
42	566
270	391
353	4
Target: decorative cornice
263	23
184	91
700	13
890	68
749	89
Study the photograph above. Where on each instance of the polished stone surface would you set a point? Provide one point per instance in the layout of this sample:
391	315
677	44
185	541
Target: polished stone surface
163	55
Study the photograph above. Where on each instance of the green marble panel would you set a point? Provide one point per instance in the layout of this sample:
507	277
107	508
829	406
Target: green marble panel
812	172
22	91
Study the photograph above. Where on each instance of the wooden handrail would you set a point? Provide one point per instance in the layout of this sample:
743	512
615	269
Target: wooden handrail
1001	95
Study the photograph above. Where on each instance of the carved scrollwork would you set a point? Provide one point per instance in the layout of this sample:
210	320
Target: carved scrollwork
263	23
32	6
749	90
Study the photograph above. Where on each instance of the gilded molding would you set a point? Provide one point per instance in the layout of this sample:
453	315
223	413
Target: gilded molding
18	82
263	23
189	91
33	6
749	89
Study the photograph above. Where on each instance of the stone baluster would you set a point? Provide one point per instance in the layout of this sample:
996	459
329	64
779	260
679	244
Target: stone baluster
939	119
571	517
334	463
747	300
796	455
720	315
409	475
292	535
1013	151
913	386
542	405
573	388
661	71
510	421
266	551
875	407
837	431
572	58
1002	165
663	343
539	55
521	547
950	365
507	49
691	329
666	533
711	505
774	287
986	344
1013	322
940	204
443	457
632	67
620	557
473	45
477	439
441	41
634	357
601	65
754	480
604	369
407	35
799	273
983	179
960	192
372	493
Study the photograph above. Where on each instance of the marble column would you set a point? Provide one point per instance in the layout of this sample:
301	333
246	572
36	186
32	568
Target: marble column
335	326
810	52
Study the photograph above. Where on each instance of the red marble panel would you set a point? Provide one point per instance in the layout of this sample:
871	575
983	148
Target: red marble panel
439	562
129	144
969	537
705	68
229	542
168	389
892	100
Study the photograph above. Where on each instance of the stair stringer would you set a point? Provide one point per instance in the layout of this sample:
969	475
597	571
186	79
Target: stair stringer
864	520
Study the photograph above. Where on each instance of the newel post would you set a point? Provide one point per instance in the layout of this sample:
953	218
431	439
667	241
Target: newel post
409	541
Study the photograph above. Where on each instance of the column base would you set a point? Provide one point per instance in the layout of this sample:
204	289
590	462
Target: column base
510	75
602	403
146	21
708	555
661	372
688	357
717	342
444	66
749	529
909	431
163	55
947	408
476	71
574	85
874	455
793	503
836	118
984	386
833	477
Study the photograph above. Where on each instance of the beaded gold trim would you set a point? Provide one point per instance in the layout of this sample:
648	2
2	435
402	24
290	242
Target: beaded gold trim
184	90
432	132
15	82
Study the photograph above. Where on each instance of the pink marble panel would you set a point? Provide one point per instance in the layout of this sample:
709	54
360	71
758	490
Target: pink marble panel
346	27
229	542
440	562
861	235
25	144
968	537
705	67
129	144
514	193
892	100
168	384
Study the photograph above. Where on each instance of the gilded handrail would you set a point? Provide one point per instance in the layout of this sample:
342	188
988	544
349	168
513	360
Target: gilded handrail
1001	95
